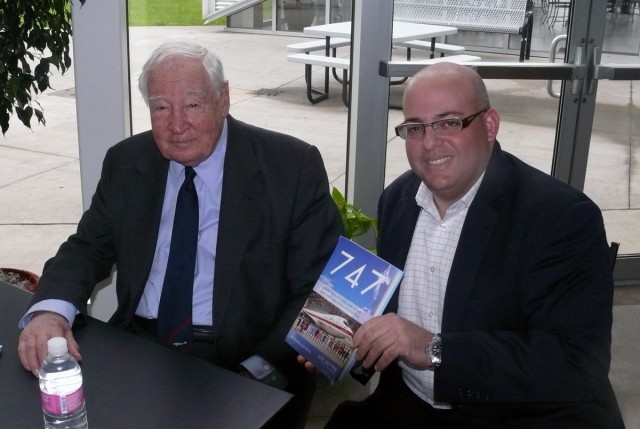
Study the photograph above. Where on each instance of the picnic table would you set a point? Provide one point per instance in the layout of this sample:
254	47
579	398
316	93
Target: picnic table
402	32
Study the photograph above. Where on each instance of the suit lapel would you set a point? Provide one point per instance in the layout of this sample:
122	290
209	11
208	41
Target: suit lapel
242	189
400	226
145	210
470	252
472	245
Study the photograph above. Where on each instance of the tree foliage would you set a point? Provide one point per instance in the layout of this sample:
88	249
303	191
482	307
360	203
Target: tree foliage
34	37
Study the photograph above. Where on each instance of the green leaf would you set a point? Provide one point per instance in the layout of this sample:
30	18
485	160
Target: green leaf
4	121
355	222
25	115
41	73
40	116
31	32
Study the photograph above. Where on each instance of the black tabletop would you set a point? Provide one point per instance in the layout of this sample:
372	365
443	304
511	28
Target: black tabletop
131	382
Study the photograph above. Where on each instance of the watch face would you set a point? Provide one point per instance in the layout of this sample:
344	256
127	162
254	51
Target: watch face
435	351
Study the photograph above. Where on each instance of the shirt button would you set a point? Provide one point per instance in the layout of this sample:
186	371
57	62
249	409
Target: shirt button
266	367
432	269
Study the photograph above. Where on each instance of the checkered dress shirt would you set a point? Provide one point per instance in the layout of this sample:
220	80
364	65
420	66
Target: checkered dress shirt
426	274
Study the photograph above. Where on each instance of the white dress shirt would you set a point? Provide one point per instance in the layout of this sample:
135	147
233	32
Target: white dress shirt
423	287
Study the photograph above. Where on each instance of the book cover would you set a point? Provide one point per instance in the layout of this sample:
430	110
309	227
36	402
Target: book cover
354	286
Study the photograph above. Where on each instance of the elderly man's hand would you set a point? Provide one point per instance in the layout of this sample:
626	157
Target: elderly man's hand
32	344
307	365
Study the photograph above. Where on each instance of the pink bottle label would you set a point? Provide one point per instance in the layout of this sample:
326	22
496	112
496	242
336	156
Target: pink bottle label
54	404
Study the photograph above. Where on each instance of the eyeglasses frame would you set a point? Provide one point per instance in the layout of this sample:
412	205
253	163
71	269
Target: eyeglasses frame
466	121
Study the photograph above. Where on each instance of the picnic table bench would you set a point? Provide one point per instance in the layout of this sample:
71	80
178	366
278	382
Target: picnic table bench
426	45
491	16
318	45
315	95
325	61
338	42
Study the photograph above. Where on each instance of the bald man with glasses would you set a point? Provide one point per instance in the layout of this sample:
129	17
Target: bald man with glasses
503	318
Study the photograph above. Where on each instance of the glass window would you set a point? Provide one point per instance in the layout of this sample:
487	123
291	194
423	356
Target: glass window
528	109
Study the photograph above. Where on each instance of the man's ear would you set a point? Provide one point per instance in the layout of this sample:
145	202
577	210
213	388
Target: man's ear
492	124
226	99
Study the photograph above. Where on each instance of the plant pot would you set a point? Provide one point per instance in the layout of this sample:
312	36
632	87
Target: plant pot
23	279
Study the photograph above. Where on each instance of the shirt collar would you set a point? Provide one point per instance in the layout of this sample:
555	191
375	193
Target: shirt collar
424	197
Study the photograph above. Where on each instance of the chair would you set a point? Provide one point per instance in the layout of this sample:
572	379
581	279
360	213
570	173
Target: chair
623	7
633	5
554	6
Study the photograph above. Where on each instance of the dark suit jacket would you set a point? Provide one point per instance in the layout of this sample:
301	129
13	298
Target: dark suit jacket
278	225
526	327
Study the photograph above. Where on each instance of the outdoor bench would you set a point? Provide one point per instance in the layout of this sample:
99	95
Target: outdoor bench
310	60
318	45
442	48
491	16
329	62
339	42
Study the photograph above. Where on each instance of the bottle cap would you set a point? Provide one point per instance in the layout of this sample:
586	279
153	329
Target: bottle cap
57	346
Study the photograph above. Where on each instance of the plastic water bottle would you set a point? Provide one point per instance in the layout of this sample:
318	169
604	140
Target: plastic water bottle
61	390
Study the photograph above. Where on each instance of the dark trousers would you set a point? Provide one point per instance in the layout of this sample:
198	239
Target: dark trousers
392	405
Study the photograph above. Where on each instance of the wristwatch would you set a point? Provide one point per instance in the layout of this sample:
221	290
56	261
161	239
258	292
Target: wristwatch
434	350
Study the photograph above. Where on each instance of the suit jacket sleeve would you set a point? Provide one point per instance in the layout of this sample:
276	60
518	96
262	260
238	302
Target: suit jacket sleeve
119	228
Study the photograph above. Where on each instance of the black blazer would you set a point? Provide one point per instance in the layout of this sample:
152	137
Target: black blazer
526	329
278	226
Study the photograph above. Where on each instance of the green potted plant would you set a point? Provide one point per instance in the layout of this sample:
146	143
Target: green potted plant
34	37
354	220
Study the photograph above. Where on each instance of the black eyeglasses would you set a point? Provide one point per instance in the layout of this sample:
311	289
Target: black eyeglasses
442	127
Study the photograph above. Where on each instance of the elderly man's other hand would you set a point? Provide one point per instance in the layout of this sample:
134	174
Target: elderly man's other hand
307	365
32	344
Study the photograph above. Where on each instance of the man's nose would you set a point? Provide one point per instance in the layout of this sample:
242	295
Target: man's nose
178	122
430	138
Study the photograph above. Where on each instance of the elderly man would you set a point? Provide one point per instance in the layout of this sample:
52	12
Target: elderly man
218	231
503	318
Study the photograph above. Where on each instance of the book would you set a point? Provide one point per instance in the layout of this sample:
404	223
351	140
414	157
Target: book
354	286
